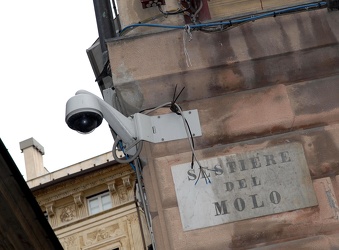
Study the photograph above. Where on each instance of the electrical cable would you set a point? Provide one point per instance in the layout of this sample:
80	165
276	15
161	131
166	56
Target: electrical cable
128	157
119	143
305	7
136	202
175	108
167	104
143	21
195	14
190	139
171	12
139	143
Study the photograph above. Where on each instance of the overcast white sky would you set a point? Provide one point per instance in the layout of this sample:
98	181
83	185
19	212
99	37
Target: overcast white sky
43	63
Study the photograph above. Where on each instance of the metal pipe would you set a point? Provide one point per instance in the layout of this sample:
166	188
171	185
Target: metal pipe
144	201
105	23
139	217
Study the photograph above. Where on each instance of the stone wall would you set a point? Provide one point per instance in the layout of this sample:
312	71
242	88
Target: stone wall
267	84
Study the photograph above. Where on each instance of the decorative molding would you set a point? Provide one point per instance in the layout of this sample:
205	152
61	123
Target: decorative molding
111	187
126	181
123	194
133	217
119	171
70	242
80	184
67	213
49	209
101	234
78	199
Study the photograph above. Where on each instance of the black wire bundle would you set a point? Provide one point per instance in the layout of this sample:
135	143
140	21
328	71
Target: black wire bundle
175	108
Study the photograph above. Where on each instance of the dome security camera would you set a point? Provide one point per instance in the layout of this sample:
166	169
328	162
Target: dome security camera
83	113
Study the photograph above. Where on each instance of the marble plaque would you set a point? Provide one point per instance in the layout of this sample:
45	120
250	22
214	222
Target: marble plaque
242	186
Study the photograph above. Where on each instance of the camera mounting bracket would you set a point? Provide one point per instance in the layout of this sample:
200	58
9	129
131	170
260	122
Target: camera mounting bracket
167	127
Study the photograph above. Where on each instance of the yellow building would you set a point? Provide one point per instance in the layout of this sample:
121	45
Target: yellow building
91	204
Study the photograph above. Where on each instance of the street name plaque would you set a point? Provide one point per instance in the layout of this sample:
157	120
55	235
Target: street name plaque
243	186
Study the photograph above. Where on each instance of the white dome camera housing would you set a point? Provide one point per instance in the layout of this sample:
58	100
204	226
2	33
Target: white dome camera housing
83	113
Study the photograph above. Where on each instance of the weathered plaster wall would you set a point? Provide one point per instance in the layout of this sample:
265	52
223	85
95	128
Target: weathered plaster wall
266	83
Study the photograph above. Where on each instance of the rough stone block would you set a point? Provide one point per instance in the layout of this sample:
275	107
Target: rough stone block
309	243
315	102
235	117
335	182
165	180
213	237
255	112
328	204
158	233
321	147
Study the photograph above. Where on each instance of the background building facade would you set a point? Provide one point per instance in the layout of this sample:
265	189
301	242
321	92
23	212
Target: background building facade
91	204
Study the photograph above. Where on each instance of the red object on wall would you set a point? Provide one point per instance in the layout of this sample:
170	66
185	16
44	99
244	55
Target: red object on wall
151	3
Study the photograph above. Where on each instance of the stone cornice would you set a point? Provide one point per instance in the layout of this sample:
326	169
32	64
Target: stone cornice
77	185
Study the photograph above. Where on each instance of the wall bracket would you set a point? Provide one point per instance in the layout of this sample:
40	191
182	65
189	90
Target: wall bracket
168	127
